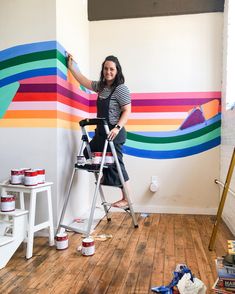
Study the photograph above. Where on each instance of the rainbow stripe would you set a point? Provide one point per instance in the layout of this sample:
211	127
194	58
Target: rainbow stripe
37	90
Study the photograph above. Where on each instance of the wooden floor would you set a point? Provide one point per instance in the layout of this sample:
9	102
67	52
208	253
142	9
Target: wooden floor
132	261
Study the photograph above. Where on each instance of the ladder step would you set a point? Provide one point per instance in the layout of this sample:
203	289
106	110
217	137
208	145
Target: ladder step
5	240
90	167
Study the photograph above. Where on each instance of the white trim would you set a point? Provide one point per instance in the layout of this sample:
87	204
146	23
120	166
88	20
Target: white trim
229	224
175	209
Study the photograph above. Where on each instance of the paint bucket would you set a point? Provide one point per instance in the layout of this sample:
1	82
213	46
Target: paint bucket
88	246
81	159
62	241
16	176
31	177
41	177
109	159
7	203
96	157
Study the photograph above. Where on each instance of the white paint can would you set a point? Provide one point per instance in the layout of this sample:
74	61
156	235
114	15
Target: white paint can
16	176
88	246
41	177
109	159
62	241
7	203
30	177
97	157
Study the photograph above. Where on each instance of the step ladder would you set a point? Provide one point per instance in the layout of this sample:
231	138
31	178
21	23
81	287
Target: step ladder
97	170
13	226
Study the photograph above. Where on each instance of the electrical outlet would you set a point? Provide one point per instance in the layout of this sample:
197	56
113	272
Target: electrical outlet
154	179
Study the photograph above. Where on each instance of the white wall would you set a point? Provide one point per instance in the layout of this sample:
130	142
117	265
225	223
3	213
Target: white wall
167	54
22	22
228	118
72	31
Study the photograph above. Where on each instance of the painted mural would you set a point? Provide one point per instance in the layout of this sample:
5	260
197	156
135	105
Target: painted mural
37	90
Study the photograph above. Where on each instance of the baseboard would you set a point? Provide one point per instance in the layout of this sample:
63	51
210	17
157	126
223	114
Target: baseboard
175	209
229	225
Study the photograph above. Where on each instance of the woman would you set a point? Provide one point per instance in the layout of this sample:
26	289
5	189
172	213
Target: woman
114	104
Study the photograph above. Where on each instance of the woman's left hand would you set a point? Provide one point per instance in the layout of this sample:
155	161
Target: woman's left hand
113	134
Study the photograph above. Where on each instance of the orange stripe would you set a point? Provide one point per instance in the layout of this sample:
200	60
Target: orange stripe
155	121
14	114
68	117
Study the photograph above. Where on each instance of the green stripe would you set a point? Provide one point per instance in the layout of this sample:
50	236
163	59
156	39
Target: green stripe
42	55
27	66
176	146
154	140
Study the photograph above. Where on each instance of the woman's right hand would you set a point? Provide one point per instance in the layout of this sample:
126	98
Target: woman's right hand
69	61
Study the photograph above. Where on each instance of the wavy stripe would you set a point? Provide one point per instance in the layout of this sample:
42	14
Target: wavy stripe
32	73
173	139
173	153
177	145
178	95
164	108
41	64
161	115
36	56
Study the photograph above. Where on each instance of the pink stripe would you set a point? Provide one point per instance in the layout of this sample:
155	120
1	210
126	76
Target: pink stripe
33	106
175	95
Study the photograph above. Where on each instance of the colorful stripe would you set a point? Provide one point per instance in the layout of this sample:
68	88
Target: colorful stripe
38	91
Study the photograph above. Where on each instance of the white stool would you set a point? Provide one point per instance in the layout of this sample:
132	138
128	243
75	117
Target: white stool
32	228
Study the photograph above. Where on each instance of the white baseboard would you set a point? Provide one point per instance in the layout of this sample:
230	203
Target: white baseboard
175	209
229	224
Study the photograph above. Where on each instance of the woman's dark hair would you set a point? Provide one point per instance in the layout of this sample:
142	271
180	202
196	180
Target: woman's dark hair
119	79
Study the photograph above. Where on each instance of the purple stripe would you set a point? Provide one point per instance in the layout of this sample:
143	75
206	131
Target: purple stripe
53	88
34	88
169	102
72	95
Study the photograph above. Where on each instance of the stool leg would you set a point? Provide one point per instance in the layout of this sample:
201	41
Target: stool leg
22	205
50	216
32	208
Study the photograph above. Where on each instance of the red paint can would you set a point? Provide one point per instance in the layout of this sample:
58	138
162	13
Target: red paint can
16	176
62	241
97	157
31	177
88	246
7	203
41	176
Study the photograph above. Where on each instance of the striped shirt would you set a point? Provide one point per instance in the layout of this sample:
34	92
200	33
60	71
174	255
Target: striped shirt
120	97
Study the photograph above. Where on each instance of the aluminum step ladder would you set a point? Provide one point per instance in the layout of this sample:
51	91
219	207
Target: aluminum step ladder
97	170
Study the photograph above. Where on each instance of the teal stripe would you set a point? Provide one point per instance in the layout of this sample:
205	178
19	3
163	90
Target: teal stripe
7	93
175	146
31	66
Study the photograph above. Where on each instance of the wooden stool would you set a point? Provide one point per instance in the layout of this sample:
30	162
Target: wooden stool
32	228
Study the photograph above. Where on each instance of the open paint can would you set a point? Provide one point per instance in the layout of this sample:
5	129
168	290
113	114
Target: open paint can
88	246
62	241
7	203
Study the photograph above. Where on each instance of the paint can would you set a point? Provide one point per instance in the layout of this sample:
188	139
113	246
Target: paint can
88	246
81	159
16	176
62	241
31	177
109	159
41	177
96	157
7	203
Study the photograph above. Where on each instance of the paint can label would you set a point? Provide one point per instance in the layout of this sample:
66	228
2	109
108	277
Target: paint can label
109	159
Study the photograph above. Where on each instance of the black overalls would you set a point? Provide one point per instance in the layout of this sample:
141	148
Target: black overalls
110	175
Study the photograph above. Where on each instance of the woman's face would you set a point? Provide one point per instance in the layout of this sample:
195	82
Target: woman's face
109	72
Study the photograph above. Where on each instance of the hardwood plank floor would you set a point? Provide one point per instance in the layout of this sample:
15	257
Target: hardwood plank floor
132	261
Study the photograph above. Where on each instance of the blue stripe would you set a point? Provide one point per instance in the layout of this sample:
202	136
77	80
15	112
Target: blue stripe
173	153
27	48
32	73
